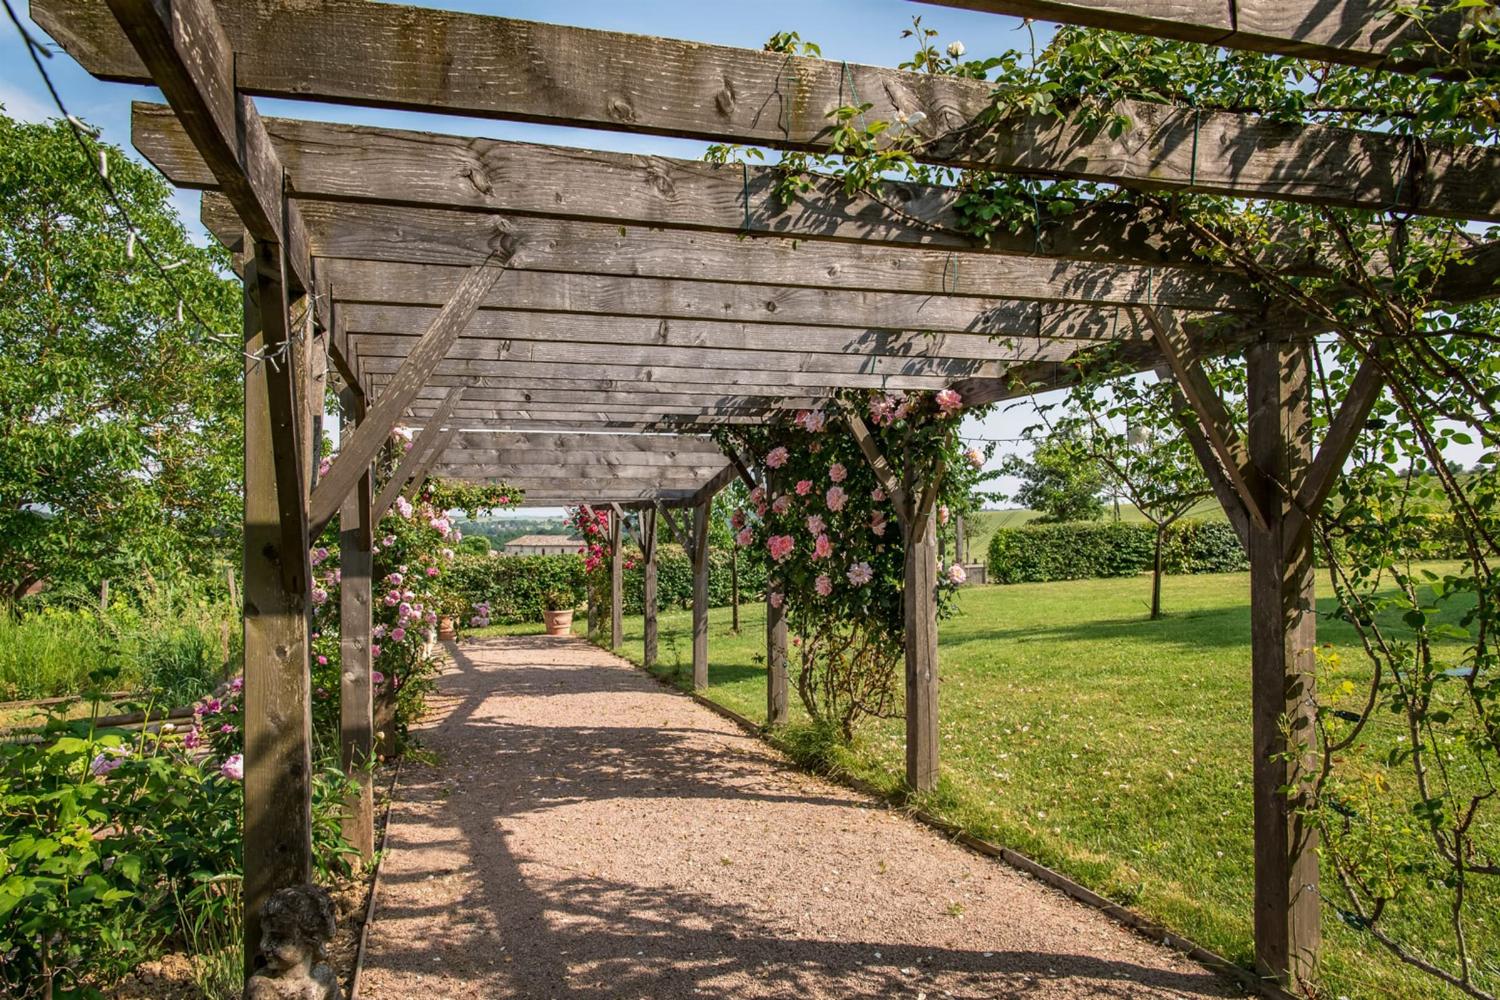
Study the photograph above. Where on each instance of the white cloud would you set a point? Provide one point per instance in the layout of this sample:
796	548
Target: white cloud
24	106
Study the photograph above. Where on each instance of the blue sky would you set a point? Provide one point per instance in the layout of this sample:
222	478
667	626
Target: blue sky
865	31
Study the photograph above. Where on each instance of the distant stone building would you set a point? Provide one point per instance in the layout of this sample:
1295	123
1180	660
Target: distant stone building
542	545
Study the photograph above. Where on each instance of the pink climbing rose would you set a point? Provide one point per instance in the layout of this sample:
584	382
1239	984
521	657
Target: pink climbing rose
837	472
822	547
949	401
815	525
776	599
836	497
823	585
943	514
974	456
878	495
861	574
878	523
804	487
745	537
233	767
781	504
780	546
956	574
777	457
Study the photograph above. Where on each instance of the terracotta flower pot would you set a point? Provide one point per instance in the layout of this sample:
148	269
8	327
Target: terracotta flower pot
446	629
558	622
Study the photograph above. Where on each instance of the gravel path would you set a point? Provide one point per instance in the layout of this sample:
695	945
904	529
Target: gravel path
586	832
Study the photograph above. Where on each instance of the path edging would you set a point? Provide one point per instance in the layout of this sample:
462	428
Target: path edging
364	930
1122	915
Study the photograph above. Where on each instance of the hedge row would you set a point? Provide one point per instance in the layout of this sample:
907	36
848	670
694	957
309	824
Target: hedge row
1035	553
516	586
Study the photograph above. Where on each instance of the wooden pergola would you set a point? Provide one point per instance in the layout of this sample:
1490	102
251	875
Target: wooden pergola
574	321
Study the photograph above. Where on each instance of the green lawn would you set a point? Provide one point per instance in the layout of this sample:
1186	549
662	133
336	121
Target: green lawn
1111	747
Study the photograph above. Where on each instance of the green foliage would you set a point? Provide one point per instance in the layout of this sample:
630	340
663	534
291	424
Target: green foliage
516	587
1061	479
107	839
120	415
1040	552
674	579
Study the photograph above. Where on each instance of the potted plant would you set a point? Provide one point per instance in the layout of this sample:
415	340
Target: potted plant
559	611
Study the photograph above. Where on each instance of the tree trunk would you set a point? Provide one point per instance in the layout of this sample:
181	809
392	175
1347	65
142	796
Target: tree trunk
1161	534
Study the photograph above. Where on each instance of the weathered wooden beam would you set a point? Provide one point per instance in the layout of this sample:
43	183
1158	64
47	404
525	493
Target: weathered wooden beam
413	235
409	377
884	474
346	52
568	465
680	534
1283	632
1213	415
335	162
1374	34
460	454
650	642
423	444
424	466
385	330
628	447
919	615
699	555
591	393
1208	458
356	690
375	282
182	49
1317	481
616	581
277	596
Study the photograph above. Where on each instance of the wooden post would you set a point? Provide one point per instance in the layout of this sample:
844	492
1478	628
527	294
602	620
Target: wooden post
648	585
700	594
776	681
277	574
1283	639
104	596
356	692
734	588
960	541
919	603
616	581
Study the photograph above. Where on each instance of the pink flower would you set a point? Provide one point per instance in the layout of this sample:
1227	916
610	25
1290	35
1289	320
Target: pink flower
191	740
812	420
388	541
956	574
837	472
780	546
777	598
238	684
377	678
861	574
317	555
745	537
322	660
758	496
949	401
777	457
823	585
836	498
737	520
403	506
319	595
233	768
398	634
815	525
878	523
780	504
804	487
394	579
943	514
374	650
432	571
106	762
878	495
881	408
974	456
822	547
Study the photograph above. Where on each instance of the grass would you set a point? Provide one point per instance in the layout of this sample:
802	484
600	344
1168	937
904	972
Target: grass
1110	747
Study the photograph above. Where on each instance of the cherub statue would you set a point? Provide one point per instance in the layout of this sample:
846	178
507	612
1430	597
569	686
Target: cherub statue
296	925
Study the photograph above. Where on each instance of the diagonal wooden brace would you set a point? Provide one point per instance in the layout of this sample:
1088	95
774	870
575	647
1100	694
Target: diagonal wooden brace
413	459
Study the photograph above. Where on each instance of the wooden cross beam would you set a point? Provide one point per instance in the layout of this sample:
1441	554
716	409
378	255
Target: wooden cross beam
425	443
495	67
335	162
884	474
467	468
625	446
408	378
414	235
375	283
681	536
519	393
1374	34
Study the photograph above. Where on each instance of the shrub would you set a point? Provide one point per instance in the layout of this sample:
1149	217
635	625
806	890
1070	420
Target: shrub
674	580
516	587
1036	553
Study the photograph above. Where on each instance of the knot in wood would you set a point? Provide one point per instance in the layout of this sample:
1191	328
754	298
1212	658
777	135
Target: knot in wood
658	177
724	100
621	110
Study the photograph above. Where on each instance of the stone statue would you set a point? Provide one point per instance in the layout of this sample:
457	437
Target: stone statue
296	925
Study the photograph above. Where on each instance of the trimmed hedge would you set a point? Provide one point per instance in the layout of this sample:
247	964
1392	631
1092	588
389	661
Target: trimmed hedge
1036	553
674	580
515	586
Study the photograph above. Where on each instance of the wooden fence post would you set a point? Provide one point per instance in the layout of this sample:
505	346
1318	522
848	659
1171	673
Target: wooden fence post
648	585
919	604
277	579
960	541
1283	640
616	581
356	692
700	594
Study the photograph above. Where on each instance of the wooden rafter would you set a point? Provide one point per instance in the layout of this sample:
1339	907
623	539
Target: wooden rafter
1373	34
424	444
347	52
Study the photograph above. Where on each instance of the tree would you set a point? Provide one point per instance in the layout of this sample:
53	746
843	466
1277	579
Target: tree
1061	479
119	409
1150	461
